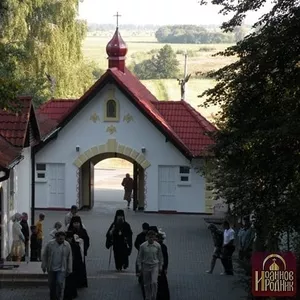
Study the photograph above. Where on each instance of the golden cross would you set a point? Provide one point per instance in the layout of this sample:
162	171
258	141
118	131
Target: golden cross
117	16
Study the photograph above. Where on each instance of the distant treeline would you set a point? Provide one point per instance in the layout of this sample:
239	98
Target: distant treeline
192	34
92	27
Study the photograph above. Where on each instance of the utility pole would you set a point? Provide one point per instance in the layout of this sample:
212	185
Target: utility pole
186	77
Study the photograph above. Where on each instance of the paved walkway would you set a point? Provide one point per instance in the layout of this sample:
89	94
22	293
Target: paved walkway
189	245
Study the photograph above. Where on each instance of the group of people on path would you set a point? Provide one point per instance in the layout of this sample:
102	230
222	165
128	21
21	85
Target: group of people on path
224	243
64	257
22	238
152	259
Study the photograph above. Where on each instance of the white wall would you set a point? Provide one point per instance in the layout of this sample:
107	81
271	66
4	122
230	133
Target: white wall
136	134
5	242
23	184
191	198
19	201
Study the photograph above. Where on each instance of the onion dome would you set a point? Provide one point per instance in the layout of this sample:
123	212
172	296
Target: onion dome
116	47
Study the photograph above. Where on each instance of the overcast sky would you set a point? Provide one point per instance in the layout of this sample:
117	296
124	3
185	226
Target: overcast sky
160	12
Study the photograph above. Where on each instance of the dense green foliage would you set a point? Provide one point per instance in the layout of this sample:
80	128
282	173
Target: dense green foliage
192	34
257	147
49	36
163	65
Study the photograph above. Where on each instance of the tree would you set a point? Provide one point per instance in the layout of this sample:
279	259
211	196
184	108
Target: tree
257	159
162	66
50	35
191	34
257	146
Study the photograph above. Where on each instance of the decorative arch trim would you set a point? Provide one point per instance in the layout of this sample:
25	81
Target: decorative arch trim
112	146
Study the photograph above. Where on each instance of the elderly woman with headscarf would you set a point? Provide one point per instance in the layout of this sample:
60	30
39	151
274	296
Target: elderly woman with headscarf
217	236
18	244
119	236
81	237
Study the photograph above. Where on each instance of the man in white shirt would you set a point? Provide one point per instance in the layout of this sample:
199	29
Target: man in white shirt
150	261
228	248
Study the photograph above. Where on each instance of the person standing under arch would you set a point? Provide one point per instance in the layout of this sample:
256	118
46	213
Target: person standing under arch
127	183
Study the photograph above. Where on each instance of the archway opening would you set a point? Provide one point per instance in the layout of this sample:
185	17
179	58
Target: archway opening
108	177
101	182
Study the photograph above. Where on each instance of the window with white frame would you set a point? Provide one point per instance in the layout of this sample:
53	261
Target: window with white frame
184	175
40	171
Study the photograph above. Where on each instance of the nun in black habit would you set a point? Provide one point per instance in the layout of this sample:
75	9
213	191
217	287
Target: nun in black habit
119	236
80	236
70	292
163	292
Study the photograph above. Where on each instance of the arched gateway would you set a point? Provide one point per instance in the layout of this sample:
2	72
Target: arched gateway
119	117
86	161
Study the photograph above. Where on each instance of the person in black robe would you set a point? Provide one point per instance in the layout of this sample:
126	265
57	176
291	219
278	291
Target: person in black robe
80	233
25	231
34	247
140	239
119	236
70	292
163	292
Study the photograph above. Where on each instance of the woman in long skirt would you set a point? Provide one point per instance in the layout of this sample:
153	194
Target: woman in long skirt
18	244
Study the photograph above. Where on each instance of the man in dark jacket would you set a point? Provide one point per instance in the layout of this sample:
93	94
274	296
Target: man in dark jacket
25	231
141	237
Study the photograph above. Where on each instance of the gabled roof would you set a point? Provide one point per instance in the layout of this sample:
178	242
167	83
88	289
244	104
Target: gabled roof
178	121
14	125
8	153
51	113
54	108
189	125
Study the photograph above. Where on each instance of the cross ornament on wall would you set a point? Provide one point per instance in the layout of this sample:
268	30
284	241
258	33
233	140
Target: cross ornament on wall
117	16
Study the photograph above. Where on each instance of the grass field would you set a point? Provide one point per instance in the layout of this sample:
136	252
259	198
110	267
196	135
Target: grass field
201	60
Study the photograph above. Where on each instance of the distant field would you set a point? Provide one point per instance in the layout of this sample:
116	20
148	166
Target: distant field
201	60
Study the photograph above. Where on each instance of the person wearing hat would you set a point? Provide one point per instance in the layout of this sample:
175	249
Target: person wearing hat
82	237
119	236
57	262
71	280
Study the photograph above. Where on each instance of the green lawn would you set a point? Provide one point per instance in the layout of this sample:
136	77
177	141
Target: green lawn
94	47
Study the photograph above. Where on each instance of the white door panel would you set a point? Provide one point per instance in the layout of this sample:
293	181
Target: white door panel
167	188
56	180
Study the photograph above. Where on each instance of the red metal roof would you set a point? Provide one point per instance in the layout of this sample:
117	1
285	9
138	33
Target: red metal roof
8	153
13	125
177	119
